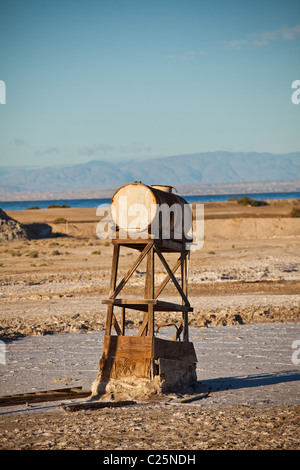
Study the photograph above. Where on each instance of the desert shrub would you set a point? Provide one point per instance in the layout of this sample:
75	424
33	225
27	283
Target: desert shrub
59	220
248	201
295	212
33	254
15	253
56	253
32	208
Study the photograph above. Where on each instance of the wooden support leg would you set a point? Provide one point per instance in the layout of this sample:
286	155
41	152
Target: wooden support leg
184	288
113	280
149	290
109	317
114	269
123	321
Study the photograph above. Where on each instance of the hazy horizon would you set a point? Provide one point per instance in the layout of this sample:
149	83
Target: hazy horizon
137	159
136	80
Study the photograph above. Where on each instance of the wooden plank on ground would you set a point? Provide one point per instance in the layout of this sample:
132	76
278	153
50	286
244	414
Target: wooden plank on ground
98	404
195	397
43	396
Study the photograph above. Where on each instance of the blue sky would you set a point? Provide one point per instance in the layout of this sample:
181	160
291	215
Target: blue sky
128	79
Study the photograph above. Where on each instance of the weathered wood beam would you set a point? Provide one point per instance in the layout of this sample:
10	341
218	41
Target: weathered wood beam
44	396
178	287
161	287
113	280
143	328
131	270
97	405
142	304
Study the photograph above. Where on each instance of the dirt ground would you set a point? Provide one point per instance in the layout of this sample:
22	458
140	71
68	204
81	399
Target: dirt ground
246	272
155	427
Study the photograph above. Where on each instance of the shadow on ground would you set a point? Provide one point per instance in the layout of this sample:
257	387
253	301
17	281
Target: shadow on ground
249	381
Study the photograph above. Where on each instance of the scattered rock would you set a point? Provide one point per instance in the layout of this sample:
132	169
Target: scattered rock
11	229
156	426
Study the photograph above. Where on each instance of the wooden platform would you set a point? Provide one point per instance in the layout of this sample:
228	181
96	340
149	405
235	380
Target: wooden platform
142	304
170	246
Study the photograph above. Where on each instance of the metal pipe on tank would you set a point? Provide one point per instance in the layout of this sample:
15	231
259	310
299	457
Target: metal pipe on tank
163	187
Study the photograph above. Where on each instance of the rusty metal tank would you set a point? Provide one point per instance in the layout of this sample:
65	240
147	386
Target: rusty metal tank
155	210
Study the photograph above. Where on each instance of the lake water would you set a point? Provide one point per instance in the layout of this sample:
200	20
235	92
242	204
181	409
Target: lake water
85	203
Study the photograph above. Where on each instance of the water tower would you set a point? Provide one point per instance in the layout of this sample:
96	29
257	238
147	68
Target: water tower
153	221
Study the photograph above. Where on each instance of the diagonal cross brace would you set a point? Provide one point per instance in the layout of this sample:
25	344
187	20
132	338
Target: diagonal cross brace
129	273
166	279
178	287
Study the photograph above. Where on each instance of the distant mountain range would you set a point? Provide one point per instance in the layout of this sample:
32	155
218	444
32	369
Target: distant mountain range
200	168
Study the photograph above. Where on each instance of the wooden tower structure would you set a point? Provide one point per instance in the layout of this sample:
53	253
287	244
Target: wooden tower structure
144	364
